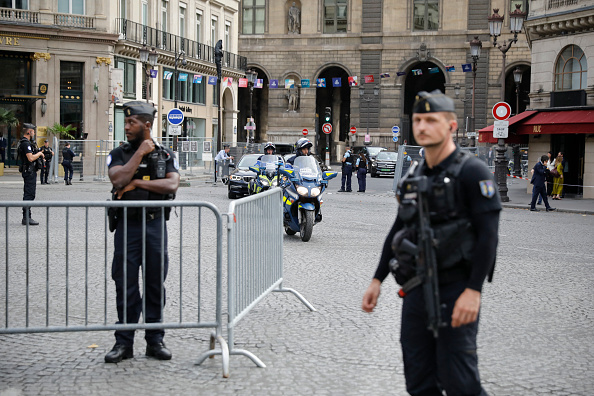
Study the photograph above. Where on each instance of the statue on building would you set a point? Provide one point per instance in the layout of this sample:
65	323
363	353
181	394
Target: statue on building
294	23
293	98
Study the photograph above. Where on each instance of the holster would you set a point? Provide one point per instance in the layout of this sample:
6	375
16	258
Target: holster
112	217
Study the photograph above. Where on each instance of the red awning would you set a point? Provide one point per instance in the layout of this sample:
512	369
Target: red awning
558	122
486	134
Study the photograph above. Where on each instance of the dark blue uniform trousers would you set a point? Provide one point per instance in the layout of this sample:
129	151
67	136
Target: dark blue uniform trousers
449	362
362	178
347	173
30	179
536	191
153	281
68	169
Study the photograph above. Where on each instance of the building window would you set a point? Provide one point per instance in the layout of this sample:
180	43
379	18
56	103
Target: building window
198	26
16	4
129	67
571	70
335	16
189	91
199	92
71	95
71	7
425	14
227	46
214	34
164	15
182	20
145	12
253	16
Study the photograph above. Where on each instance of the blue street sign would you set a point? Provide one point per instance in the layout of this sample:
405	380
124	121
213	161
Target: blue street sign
394	139
395	129
175	117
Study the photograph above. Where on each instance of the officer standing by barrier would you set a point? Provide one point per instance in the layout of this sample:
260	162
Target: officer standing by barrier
48	153
462	214
348	160
67	157
30	161
141	170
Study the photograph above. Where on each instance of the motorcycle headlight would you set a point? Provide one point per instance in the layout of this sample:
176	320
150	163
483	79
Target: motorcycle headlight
265	182
315	192
302	190
274	182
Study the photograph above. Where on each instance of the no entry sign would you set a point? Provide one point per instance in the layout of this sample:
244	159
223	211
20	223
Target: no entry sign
353	130
305	131
327	128
501	111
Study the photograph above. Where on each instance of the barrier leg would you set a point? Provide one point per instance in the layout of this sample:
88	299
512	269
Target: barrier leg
298	295
224	352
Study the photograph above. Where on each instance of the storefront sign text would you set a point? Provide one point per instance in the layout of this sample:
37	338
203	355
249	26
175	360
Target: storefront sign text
5	40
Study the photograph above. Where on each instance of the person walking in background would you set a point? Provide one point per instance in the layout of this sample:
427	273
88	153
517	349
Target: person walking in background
490	156
558	177
548	177
361	166
67	157
220	159
3	145
29	156
538	182
48	153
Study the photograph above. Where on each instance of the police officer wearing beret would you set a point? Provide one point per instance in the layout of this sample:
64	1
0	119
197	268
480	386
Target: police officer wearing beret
141	170
29	156
464	208
48	153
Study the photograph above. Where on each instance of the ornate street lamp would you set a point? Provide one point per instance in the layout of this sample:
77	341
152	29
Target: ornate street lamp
148	58
518	81
376	92
251	76
495	24
475	53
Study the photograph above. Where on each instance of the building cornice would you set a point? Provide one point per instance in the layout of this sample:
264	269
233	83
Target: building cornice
53	33
559	25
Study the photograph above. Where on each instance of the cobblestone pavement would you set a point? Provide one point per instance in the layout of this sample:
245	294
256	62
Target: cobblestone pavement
535	337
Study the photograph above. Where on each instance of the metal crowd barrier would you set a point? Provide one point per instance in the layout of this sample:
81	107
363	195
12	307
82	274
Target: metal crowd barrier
57	275
255	259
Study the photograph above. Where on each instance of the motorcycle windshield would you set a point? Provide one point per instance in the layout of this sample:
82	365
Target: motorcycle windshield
307	166
268	164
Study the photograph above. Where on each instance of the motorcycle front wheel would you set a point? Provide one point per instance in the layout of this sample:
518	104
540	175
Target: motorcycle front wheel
306	225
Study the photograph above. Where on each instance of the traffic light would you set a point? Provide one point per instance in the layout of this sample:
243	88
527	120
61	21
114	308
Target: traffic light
328	114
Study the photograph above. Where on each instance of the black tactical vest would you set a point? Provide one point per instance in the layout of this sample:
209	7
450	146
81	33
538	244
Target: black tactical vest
454	235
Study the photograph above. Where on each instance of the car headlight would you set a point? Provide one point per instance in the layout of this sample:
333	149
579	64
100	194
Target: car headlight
315	192
302	190
234	177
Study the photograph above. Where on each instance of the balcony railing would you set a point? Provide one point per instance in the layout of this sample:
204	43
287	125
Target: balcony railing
73	20
561	3
151	37
18	16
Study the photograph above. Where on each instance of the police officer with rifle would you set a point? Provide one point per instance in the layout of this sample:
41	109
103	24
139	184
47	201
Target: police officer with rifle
48	153
140	170
440	249
31	161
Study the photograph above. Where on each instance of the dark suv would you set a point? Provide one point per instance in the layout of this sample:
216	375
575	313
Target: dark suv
370	153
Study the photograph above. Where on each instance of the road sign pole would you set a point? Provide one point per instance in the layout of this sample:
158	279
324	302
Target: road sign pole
501	111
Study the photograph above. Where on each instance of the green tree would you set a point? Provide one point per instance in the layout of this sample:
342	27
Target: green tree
8	118
62	131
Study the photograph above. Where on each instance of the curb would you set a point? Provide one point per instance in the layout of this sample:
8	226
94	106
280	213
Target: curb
578	211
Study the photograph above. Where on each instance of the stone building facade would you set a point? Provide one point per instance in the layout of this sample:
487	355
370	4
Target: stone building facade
342	38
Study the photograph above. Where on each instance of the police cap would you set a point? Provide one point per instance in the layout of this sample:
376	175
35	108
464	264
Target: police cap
26	125
139	108
433	102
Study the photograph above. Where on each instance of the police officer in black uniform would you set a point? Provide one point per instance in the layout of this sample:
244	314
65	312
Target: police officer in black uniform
30	162
67	157
464	208
348	160
48	153
141	170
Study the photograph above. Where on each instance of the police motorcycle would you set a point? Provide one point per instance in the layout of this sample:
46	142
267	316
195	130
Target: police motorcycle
267	174
303	186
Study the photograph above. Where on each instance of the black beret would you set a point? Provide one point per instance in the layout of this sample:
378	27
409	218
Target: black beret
26	125
433	102
139	108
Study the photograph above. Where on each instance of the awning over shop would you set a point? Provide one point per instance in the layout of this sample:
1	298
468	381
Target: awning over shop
558	122
486	134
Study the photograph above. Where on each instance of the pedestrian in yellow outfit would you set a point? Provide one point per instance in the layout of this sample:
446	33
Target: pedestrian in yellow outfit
558	181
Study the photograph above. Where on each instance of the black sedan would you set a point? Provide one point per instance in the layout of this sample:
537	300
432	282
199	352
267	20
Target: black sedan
384	163
241	176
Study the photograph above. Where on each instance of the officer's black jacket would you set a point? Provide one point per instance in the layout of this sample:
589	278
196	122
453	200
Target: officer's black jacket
483	211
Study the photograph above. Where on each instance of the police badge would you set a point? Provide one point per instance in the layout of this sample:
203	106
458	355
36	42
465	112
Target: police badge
487	188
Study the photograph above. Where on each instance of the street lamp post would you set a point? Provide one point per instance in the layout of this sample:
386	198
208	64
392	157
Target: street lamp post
179	55
457	89
475	52
376	92
495	23
148	58
516	150
251	75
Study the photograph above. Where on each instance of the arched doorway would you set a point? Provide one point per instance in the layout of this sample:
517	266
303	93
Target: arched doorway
259	106
228	116
428	81
338	99
511	96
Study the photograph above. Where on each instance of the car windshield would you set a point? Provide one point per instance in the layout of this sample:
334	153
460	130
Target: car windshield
387	156
308	166
248	160
374	150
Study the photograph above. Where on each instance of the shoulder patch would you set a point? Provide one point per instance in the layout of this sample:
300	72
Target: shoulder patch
487	188
108	160
28	148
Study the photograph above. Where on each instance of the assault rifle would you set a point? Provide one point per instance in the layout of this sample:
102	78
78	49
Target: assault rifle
424	252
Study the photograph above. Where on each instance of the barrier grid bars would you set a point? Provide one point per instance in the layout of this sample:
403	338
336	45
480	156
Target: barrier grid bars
255	254
217	324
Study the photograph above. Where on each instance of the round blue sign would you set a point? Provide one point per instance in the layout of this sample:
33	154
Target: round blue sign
394	139
395	129
175	117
